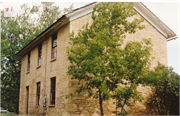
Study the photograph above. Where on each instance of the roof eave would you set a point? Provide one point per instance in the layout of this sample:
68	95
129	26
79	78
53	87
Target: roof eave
81	11
69	17
44	35
154	20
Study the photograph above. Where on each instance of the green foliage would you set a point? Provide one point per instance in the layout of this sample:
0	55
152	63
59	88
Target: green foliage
16	33
100	62
6	114
13	38
131	71
47	13
165	91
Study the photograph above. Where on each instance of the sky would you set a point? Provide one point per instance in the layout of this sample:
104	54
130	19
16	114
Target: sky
168	11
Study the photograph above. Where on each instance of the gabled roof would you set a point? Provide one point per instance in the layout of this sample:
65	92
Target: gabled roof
79	12
154	20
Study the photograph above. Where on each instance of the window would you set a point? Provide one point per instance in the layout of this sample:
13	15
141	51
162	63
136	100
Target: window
27	99
29	58
39	54
53	91
54	46
38	93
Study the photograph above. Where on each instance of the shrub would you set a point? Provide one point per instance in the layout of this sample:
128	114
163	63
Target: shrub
164	99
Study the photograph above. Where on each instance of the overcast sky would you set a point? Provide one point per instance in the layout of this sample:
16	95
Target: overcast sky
166	10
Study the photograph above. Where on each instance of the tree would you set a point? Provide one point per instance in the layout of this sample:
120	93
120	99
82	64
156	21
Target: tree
131	73
17	33
164	99
47	13
98	59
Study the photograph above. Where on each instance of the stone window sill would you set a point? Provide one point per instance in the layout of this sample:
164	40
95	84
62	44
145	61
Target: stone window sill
51	105
27	72
38	66
52	60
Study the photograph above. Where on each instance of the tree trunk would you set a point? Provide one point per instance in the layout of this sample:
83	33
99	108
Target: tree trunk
100	103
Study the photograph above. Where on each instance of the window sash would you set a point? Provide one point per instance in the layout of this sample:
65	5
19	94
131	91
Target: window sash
29	59
54	46
38	94
38	98
53	90
54	43
39	61
54	52
39	54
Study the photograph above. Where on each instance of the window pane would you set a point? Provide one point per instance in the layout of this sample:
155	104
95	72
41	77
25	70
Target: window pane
53	88
54	42
53	97
54	52
39	54
40	50
29	57
39	62
28	65
54	46
38	93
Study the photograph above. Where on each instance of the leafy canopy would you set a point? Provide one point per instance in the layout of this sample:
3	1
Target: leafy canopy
98	58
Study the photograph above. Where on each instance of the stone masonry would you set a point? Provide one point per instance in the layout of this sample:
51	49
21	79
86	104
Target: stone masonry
81	104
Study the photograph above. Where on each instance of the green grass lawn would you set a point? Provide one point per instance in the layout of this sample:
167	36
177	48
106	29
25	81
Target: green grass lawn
6	114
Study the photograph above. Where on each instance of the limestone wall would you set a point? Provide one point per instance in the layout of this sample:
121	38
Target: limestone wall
48	69
82	105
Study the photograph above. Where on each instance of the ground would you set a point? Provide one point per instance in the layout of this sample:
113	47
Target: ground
5	114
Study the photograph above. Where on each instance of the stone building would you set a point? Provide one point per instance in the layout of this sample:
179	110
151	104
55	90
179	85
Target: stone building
44	82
